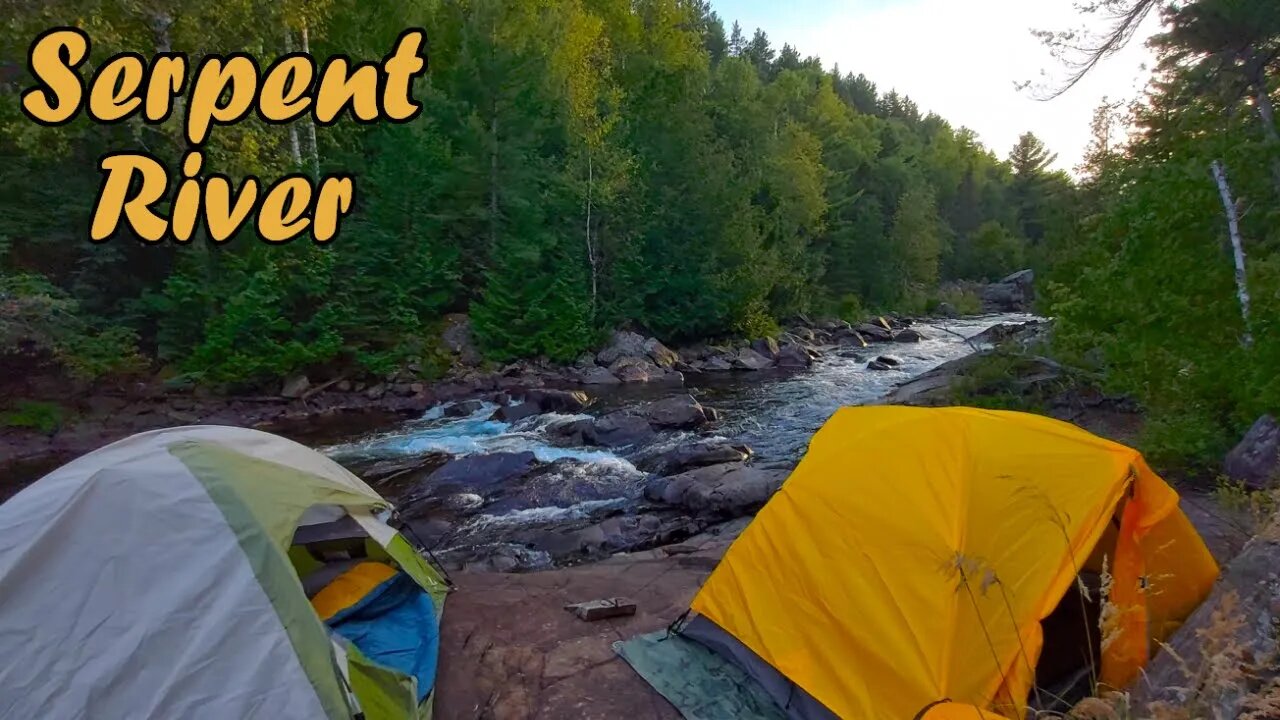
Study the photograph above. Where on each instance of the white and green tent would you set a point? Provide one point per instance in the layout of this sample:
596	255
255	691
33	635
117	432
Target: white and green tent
165	576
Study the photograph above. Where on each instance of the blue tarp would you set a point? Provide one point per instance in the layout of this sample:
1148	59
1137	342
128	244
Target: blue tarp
395	625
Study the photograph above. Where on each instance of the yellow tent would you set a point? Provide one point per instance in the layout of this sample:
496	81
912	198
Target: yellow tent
904	568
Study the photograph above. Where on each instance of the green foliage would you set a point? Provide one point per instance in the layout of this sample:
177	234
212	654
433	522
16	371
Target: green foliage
964	300
44	417
576	166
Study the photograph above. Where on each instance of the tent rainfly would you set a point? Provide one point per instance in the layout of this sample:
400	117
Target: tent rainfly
212	572
918	563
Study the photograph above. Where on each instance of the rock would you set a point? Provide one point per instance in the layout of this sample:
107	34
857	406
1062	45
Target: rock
598	376
483	471
295	386
910	335
749	359
571	401
457	339
852	337
679	412
513	413
620	428
766	346
1255	461
635	369
343	386
660	354
464	408
623	344
804	333
890	360
877	365
376	392
731	490
462	502
794	356
698	454
833	325
1014	293
417	388
875	333
716	364
947	310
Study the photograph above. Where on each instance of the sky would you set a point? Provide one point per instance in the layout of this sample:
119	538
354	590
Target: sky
960	59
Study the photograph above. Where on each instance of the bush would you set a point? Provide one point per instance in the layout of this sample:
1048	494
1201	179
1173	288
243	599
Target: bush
43	416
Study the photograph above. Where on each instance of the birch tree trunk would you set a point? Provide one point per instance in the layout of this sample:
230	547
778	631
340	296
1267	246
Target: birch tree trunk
1237	246
591	251
311	123
1268	114
295	149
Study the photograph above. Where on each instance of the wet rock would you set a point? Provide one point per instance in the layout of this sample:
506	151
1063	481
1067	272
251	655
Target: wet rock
766	346
852	337
910	335
678	412
804	333
794	356
875	333
1014	293
483	471
660	354
749	359
890	360
295	386
879	366
462	503
729	490
623	344
384	470
514	413
674	460
635	369
598	376
464	408
1255	461
570	401
620	428
716	364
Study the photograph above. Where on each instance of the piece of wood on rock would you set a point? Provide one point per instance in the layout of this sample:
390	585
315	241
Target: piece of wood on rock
593	610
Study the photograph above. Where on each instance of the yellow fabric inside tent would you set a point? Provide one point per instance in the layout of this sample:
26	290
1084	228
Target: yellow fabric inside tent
911	556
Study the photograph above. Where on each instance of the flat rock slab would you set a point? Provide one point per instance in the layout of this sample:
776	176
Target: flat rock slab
594	610
509	651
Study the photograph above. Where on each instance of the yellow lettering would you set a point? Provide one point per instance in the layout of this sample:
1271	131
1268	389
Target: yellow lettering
282	216
167	75
113	200
332	202
338	88
59	98
397	94
237	75
106	103
224	217
282	89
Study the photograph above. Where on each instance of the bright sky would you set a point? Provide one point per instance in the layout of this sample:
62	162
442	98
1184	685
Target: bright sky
960	59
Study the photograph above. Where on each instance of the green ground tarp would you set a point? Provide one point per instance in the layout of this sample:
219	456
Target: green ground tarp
701	684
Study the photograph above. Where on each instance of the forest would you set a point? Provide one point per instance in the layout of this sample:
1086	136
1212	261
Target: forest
584	165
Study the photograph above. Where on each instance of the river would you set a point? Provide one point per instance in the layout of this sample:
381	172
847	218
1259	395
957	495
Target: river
773	413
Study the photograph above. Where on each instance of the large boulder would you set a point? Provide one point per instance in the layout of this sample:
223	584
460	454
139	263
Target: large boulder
794	356
679	412
766	346
910	335
1014	293
677	459
549	400
613	430
631	369
464	408
729	490
1255	461
874	332
596	375
716	364
513	413
295	387
749	359
660	354
457	338
481	472
624	343
878	366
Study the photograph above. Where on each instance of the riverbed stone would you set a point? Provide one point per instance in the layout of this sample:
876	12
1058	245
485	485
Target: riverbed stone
551	400
660	354
679	412
879	366
794	356
890	360
635	369
766	346
909	335
623	343
716	364
669	461
483	472
1255	461
728	490
517	412
749	359
597	375
874	332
